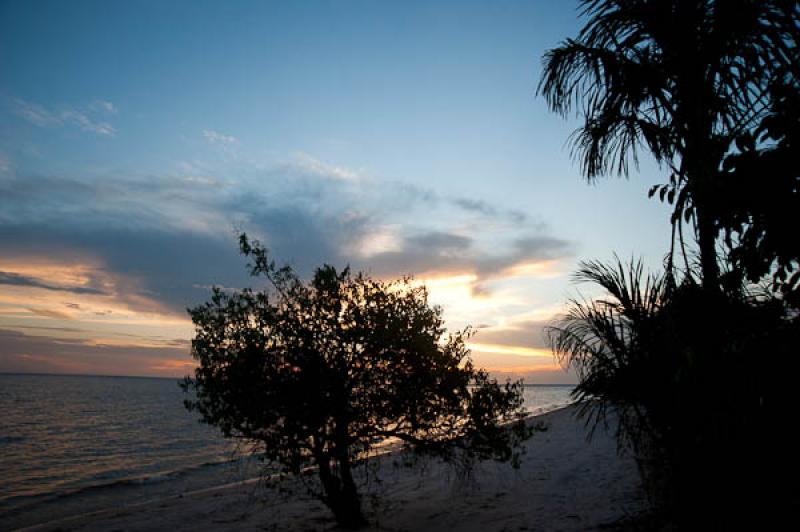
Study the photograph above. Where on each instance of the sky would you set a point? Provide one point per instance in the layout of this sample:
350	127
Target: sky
406	138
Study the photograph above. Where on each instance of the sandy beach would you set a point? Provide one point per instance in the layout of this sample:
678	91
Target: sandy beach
564	483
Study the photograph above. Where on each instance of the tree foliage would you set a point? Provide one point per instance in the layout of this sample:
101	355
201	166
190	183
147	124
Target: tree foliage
319	373
760	196
699	375
704	412
680	78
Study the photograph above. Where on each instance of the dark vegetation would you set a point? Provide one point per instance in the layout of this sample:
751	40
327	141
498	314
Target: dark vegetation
318	373
693	379
698	361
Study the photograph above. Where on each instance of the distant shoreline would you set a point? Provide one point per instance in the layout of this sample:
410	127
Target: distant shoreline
30	374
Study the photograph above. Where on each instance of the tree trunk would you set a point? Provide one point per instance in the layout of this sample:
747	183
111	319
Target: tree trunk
350	501
341	495
700	158
702	173
707	238
700	165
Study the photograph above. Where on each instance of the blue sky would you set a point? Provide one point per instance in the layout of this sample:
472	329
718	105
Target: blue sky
402	138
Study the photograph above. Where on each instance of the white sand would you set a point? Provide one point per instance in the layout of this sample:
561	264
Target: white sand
564	483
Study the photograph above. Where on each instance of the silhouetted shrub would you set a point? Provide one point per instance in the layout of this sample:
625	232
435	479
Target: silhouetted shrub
700	382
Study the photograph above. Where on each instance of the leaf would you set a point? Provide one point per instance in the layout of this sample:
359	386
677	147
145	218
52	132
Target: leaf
745	142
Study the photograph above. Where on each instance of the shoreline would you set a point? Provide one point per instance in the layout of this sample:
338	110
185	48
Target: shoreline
391	449
235	467
551	455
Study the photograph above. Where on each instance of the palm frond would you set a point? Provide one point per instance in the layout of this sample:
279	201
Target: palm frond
602	339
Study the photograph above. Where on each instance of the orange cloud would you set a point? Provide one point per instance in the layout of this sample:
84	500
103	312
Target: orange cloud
510	350
175	366
541	269
72	316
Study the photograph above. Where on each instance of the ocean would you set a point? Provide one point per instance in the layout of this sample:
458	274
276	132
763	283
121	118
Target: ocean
75	444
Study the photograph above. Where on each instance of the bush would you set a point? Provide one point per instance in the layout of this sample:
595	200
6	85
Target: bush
686	371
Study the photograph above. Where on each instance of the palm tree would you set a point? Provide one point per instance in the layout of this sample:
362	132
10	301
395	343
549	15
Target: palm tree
681	78
613	345
680	384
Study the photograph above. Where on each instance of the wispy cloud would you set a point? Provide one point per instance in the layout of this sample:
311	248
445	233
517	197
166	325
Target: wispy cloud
36	114
307	164
103	106
81	120
215	137
483	207
469	205
41	116
5	165
15	279
50	313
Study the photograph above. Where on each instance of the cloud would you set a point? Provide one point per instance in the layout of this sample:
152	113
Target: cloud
15	279
42	350
214	137
20	352
378	240
535	367
5	165
50	329
308	165
36	114
39	115
153	244
526	333
485	208
81	120
103	106
145	271
436	251
424	196
439	240
49	313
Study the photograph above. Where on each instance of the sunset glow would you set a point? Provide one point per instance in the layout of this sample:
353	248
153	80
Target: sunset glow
121	197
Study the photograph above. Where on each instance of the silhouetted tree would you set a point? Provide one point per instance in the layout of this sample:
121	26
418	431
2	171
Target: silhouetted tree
760	195
682	78
709	88
317	373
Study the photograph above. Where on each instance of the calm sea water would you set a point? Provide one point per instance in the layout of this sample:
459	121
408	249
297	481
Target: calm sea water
72	444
